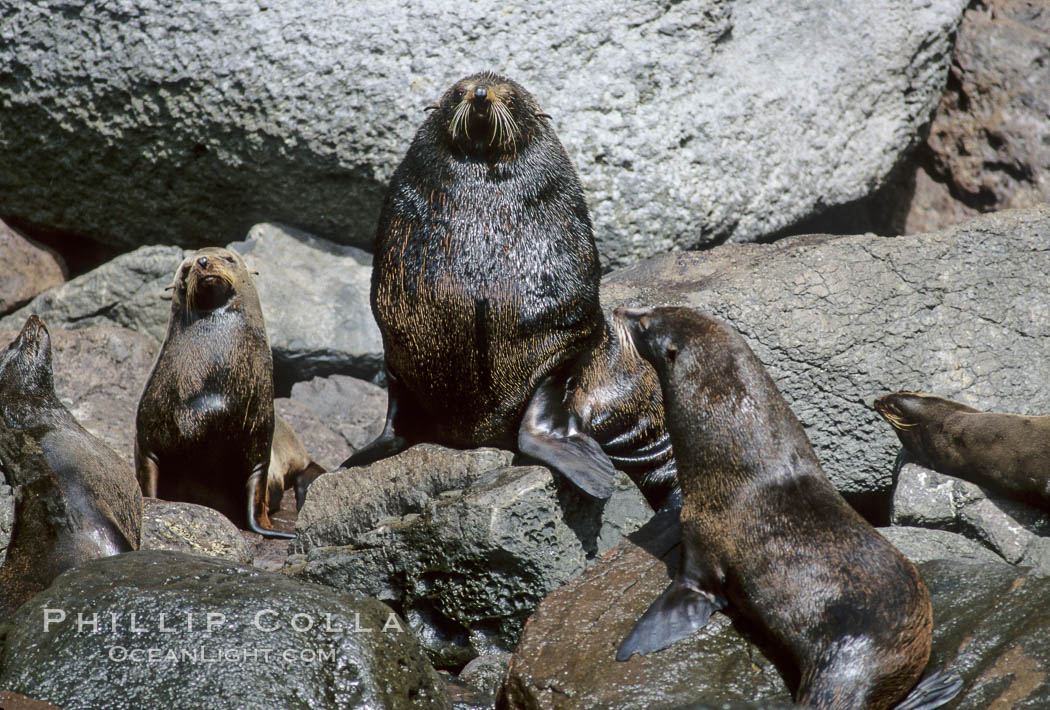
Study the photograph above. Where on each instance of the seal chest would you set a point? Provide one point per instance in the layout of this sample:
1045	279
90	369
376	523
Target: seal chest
765	532
205	420
485	289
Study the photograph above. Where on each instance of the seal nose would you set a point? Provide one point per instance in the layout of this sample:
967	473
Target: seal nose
203	262
480	93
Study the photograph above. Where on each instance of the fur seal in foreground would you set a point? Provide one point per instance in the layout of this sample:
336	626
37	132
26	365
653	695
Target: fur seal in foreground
205	420
76	499
485	288
764	531
1009	453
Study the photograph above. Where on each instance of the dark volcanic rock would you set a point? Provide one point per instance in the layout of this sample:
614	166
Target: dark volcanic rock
839	320
182	124
991	625
257	640
26	269
194	529
1018	533
464	545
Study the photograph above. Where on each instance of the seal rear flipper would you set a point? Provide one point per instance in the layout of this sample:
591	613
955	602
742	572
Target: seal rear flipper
932	692
550	434
391	440
257	507
676	614
303	480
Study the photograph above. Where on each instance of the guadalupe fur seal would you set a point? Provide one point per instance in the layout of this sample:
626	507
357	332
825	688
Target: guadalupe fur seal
485	288
764	531
76	500
205	420
1009	453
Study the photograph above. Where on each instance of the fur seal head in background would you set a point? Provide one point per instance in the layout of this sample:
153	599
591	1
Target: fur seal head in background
205	420
485	288
76	499
1009	453
765	532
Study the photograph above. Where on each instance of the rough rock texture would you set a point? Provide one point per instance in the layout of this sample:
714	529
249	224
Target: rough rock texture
26	269
1018	533
127	292
462	544
837	321
354	408
194	529
989	144
924	544
314	296
99	376
991	624
330	664
7	517
215	117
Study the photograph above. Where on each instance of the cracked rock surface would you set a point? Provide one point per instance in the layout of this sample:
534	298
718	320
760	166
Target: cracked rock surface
181	124
837	321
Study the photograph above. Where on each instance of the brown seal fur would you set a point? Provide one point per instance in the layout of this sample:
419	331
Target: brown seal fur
764	531
485	289
289	460
205	421
1009	453
76	499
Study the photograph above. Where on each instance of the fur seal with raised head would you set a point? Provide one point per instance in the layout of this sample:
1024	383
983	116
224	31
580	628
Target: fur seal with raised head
76	499
205	421
1009	453
485	288
766	533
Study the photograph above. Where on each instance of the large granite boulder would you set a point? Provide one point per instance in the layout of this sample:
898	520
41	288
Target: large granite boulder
991	625
215	116
181	631
26	269
463	544
314	296
837	321
1016	532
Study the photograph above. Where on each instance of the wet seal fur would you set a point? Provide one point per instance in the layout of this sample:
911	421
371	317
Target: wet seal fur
485	288
765	532
1009	453
76	499
205	421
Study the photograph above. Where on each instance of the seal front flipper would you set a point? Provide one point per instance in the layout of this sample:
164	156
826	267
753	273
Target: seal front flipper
676	614
257	506
550	434
392	440
932	692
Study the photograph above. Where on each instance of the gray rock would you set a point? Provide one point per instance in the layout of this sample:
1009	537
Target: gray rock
194	529
485	672
1016	532
272	642
838	321
314	296
7	516
324	444
127	292
26	269
99	375
217	116
354	408
923	545
465	567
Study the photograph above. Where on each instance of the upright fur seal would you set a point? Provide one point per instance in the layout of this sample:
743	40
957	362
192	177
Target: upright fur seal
763	530
205	421
76	499
1009	453
485	289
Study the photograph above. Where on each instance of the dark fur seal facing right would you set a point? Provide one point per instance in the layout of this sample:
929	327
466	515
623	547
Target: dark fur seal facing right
1009	453
205	421
76	499
763	530
485	289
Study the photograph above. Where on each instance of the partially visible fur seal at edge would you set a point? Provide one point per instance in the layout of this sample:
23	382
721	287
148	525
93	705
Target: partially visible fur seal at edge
765	532
1009	453
205	421
76	499
485	289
